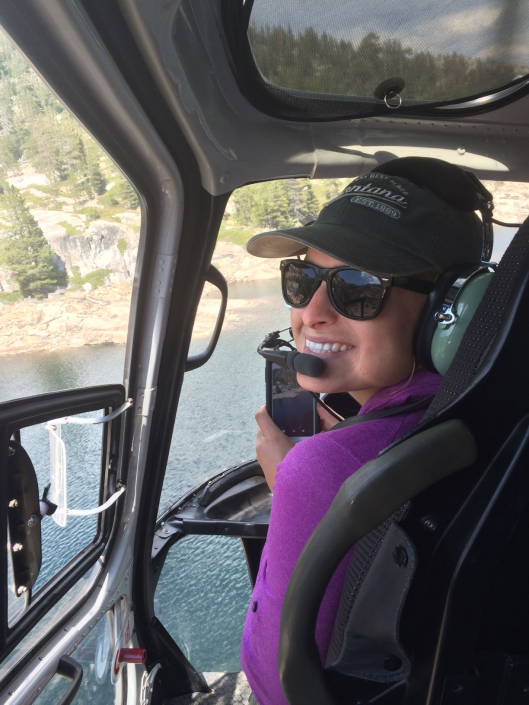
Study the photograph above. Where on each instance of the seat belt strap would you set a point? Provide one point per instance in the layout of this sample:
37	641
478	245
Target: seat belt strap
385	413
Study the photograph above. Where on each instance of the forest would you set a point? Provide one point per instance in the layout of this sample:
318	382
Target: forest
320	63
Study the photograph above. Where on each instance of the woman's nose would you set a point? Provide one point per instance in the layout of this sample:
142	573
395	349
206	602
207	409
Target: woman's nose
319	310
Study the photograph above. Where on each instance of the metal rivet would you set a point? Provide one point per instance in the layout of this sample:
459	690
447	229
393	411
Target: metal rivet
166	531
429	523
457	688
392	663
11	451
21	590
400	556
32	521
13	503
224	178
461	150
17	547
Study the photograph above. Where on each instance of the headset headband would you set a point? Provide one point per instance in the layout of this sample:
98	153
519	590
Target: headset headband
459	188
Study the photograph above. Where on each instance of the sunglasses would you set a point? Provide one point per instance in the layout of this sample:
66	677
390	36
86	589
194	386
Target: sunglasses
353	293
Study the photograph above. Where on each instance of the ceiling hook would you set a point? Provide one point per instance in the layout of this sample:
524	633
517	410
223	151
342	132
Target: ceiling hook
389	91
391	95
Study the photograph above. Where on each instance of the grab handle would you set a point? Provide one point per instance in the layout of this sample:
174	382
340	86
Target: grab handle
72	670
217	279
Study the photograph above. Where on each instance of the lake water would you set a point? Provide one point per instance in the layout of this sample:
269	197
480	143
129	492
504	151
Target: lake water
204	588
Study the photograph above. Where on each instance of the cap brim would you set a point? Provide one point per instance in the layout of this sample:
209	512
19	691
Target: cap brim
361	250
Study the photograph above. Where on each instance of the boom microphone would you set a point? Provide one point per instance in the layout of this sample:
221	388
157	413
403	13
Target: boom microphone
309	365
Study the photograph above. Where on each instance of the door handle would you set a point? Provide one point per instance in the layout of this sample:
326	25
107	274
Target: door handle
217	279
72	670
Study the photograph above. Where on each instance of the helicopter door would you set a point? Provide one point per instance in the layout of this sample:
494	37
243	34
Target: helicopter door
71	237
80	629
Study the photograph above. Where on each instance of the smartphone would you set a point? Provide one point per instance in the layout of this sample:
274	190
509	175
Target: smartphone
292	408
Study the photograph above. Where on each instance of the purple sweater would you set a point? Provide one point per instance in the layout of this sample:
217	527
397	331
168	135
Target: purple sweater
306	483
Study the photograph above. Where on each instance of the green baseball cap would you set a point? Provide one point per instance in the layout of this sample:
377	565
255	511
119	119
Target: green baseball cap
386	224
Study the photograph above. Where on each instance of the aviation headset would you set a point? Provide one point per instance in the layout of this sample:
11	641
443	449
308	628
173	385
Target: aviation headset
457	292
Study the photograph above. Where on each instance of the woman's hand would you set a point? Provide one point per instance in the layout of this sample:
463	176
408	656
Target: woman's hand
271	445
327	421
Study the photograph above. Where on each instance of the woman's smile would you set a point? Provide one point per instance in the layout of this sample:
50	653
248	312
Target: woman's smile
325	347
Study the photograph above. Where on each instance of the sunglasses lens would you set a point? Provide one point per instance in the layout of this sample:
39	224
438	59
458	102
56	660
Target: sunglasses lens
298	283
357	294
354	293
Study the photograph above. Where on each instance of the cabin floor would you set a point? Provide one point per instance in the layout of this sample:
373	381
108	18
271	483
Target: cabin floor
228	689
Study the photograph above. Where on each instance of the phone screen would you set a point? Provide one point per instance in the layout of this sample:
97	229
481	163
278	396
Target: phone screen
293	408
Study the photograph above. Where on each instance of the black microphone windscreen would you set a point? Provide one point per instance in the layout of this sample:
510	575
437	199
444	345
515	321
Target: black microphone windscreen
309	365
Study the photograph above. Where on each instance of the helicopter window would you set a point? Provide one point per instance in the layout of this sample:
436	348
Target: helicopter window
94	655
356	59
205	591
215	425
70	226
53	615
60	541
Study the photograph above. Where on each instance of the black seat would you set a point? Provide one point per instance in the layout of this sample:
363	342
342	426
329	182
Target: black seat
453	624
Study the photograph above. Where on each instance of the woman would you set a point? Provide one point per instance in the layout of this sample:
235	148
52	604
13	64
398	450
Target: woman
363	329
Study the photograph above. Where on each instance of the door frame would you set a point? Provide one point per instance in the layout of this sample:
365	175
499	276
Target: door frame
109	89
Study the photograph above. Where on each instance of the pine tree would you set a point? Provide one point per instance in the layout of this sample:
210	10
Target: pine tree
44	148
310	204
23	248
303	204
93	158
270	208
244	201
126	193
333	188
294	191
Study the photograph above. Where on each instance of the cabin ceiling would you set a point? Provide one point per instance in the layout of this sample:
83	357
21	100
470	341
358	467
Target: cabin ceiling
183	44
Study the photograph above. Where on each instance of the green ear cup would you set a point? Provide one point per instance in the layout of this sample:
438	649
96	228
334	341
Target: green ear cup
447	336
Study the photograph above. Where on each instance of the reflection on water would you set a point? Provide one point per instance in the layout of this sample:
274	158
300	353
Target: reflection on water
41	372
204	580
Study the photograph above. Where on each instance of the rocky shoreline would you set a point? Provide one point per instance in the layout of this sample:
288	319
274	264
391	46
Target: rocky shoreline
76	318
